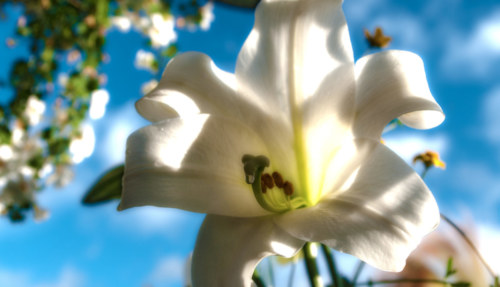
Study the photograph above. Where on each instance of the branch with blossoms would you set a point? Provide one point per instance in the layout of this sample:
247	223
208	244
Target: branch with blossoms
44	126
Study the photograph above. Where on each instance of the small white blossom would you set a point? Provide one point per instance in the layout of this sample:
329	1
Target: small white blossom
98	101
162	31
17	135
34	110
46	170
40	214
207	16
62	79
61	176
27	171
123	23
3	208
6	152
144	60
82	147
148	86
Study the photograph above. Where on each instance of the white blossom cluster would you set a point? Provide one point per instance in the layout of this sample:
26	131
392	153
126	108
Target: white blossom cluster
25	168
160	29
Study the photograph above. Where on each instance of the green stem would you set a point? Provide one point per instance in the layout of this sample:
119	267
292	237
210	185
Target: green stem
424	172
359	268
311	266
337	280
435	281
257	279
471	245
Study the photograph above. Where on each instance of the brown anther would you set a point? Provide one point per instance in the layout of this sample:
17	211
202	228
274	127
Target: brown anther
268	180
278	179
263	187
288	188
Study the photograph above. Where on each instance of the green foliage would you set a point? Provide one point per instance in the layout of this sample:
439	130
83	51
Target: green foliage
449	268
107	188
170	51
5	134
251	4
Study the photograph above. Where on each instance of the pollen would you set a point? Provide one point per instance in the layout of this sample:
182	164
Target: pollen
278	179
267	180
271	190
288	188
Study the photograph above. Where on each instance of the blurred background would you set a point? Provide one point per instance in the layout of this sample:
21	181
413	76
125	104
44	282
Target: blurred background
69	76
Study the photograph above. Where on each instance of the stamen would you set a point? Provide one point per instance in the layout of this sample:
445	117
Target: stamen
278	179
288	188
268	180
276	200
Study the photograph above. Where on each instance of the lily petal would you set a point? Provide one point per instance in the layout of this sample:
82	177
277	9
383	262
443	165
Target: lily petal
392	84
380	218
228	249
298	59
191	84
193	79
293	46
192	163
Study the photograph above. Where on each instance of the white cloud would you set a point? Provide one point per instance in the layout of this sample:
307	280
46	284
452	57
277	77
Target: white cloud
480	181
13	278
68	277
123	122
169	270
149	220
409	145
476	54
360	10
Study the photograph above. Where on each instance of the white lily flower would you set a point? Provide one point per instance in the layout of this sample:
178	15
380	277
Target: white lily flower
299	114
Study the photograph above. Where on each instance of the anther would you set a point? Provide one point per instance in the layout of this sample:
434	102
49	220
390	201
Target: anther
268	180
278	179
288	188
263	187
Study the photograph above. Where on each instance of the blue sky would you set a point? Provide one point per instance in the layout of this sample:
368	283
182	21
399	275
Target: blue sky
459	42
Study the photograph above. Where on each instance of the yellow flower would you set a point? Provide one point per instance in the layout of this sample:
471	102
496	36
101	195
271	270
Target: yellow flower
378	39
430	159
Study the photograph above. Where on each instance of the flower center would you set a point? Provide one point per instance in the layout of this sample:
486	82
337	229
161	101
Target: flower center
272	191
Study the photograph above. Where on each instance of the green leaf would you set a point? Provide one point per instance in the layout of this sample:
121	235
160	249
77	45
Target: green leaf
5	134
107	187
460	284
241	3
170	51
449	268
58	146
